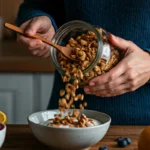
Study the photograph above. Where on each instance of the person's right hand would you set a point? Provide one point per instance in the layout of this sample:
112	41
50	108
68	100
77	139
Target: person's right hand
41	25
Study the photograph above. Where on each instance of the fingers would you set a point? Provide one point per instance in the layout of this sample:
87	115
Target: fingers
121	66
127	86
108	85
35	46
25	24
113	92
42	50
113	74
124	77
46	54
34	26
28	42
41	25
120	89
121	43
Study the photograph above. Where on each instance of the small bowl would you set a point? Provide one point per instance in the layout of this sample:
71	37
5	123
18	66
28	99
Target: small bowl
63	138
2	135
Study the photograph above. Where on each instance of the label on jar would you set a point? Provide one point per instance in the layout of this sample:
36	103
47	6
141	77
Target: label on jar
106	52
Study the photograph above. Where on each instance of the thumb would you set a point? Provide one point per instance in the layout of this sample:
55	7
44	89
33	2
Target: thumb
33	27
119	42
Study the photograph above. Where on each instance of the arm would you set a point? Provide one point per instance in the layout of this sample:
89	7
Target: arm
30	9
34	8
36	16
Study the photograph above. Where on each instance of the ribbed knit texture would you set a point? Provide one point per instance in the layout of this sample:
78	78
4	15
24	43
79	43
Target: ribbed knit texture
129	19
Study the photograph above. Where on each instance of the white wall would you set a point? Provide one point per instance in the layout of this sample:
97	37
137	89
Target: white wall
22	94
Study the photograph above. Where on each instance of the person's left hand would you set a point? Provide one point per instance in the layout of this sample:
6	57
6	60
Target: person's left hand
130	73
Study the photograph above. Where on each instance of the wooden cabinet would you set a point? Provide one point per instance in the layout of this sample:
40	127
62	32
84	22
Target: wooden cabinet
8	11
22	94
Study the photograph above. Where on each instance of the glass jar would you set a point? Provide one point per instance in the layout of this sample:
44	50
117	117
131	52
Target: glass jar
73	29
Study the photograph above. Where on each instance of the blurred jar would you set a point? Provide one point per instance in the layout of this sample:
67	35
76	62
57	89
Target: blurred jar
104	58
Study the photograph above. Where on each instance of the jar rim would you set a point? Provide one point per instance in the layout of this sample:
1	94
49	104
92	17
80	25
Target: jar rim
74	24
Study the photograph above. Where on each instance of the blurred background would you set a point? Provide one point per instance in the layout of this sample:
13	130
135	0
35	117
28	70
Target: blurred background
25	81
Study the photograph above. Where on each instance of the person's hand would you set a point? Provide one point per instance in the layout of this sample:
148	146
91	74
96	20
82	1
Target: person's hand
44	27
130	73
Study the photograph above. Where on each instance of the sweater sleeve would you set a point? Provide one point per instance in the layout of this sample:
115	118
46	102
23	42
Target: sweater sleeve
33	8
147	50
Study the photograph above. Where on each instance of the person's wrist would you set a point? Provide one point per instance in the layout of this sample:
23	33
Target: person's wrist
148	52
30	13
53	22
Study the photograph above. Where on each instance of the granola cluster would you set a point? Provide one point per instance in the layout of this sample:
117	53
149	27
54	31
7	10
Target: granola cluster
75	120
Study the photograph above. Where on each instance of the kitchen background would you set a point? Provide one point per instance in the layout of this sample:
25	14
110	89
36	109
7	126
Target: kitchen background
25	81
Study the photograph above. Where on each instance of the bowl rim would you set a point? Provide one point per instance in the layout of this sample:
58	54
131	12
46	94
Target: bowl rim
61	128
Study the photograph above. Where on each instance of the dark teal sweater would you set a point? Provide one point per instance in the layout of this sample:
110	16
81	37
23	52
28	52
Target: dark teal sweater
129	19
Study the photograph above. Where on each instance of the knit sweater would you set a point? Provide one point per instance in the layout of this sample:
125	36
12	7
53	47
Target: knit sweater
129	19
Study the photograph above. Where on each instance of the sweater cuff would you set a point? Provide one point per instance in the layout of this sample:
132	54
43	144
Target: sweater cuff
25	15
147	50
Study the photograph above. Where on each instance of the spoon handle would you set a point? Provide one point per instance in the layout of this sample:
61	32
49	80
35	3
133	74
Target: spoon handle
36	36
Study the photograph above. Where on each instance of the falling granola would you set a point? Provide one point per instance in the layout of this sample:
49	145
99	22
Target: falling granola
86	47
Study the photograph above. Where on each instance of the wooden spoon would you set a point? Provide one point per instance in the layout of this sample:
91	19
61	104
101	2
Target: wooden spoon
64	50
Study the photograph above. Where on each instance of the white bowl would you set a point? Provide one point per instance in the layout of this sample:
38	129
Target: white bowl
2	135
68	138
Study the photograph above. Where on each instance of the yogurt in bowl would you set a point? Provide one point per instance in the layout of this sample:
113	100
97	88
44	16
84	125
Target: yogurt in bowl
65	138
90	124
73	119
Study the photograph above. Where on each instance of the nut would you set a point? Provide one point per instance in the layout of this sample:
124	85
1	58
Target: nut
62	92
85	104
67	96
62	102
75	113
81	107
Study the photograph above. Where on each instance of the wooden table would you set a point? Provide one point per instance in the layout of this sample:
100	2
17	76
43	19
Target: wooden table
19	137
